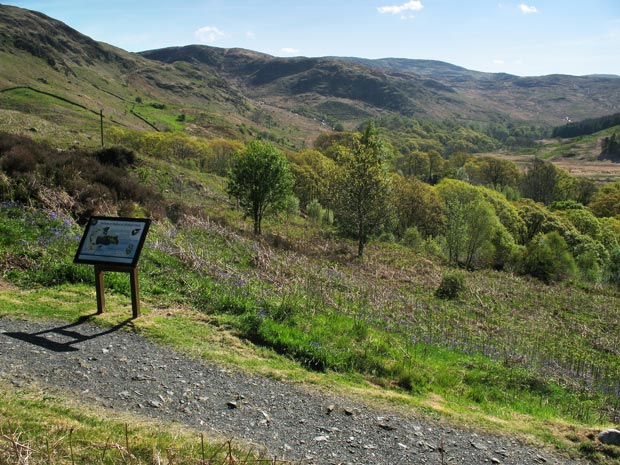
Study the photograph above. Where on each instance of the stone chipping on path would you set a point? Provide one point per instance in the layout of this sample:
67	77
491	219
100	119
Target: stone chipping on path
122	371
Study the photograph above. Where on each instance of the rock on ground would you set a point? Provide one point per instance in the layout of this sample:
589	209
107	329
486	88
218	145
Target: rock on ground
610	437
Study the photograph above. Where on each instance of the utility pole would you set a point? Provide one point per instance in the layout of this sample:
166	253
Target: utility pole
101	120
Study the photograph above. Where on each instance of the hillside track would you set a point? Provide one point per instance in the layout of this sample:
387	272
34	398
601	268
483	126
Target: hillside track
119	370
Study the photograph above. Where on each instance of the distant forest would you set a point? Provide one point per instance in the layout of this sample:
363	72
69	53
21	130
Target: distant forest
587	126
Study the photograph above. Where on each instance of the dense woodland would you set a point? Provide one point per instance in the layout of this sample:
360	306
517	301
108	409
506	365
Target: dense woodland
588	126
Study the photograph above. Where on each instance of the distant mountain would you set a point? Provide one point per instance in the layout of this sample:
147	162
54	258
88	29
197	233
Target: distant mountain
547	99
293	82
422	88
51	70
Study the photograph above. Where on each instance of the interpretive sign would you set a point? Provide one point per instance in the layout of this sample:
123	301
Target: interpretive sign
112	241
113	244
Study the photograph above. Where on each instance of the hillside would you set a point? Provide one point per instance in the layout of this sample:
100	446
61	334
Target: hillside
296	82
63	76
486	299
296	305
56	73
421	88
542	99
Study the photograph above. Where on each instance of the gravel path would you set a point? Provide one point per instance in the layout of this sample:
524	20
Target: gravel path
120	370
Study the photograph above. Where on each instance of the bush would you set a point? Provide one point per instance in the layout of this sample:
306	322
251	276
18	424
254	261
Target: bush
315	211
19	160
412	238
116	156
291	206
452	286
387	237
588	265
328	217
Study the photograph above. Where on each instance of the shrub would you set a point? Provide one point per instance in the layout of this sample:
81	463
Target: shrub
412	237
19	160
315	211
291	206
504	249
452	286
116	156
387	237
588	265
328	217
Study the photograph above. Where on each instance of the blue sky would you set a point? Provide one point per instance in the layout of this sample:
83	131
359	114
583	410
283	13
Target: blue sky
529	38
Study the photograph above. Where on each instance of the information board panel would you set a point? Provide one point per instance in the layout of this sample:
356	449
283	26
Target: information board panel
112	241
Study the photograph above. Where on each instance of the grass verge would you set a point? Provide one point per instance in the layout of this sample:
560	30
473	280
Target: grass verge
42	427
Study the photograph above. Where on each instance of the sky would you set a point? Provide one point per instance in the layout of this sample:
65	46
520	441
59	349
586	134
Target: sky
529	38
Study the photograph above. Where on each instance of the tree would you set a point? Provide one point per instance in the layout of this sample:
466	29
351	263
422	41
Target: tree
610	148
540	182
259	179
362	190
470	229
414	164
219	155
493	172
311	171
548	259
543	182
471	223
436	166
606	202
417	205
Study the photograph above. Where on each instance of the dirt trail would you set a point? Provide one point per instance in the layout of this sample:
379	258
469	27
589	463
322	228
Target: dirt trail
122	371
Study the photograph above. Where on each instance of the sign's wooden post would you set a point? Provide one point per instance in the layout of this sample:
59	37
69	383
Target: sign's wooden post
135	296
99	289
114	244
133	282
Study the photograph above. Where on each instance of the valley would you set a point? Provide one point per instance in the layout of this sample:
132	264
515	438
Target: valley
436	280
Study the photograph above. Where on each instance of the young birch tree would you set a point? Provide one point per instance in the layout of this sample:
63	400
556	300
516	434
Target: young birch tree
362	190
259	179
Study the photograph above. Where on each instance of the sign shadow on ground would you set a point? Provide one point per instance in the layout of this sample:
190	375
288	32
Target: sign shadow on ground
64	338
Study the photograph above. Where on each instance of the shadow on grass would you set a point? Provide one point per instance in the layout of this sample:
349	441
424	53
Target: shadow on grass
63	338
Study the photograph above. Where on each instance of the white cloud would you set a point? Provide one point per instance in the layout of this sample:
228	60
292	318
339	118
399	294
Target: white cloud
527	9
413	5
289	50
209	34
498	61
250	35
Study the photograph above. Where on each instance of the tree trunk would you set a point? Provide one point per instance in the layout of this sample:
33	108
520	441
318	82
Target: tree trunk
257	221
360	247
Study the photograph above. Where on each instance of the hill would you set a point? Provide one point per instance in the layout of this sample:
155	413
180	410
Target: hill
294	304
443	312
56	73
542	99
422	88
63	76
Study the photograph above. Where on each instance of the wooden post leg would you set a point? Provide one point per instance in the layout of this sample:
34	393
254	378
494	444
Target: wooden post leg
135	296
99	289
